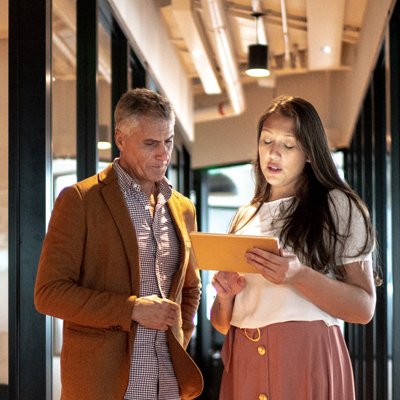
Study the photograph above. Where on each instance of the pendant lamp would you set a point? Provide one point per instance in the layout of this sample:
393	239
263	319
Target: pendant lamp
258	56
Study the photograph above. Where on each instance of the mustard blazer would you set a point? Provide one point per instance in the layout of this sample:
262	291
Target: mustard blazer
89	276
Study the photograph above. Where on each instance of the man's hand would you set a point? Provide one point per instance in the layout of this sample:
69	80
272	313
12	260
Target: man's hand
154	312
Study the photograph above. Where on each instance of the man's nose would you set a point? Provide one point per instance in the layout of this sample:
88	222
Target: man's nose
163	151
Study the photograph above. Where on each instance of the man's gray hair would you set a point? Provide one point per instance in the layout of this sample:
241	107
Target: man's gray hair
136	104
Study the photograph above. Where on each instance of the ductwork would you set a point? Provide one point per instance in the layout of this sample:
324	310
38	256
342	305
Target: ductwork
201	59
286	63
221	110
216	24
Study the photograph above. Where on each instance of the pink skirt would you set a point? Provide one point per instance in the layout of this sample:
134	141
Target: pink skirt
290	361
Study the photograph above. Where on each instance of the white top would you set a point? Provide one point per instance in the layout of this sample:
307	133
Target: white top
261	302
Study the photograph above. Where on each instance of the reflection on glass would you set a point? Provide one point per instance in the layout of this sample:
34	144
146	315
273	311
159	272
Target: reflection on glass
338	158
173	169
63	127
389	275
228	189
104	96
4	199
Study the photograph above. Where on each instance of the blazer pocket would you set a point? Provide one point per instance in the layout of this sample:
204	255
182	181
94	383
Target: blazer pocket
82	332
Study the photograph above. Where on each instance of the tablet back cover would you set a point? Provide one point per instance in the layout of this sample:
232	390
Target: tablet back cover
226	252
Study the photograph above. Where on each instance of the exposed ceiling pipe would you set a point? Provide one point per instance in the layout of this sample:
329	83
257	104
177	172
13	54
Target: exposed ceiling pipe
183	14
285	35
216	24
257	9
221	110
225	109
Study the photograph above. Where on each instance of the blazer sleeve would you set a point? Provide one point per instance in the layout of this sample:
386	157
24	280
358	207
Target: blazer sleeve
58	290
191	290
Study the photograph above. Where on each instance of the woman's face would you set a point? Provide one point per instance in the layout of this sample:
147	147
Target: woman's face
282	160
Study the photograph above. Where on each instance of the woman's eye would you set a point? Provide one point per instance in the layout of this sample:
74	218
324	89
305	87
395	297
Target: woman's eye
289	146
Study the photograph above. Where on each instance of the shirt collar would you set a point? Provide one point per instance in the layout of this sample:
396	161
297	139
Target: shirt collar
126	182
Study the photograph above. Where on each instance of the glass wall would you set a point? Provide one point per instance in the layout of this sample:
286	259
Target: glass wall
228	189
173	169
63	127
64	116
104	93
64	94
3	195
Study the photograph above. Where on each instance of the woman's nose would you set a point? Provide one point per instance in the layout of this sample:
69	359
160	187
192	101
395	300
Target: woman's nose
274	151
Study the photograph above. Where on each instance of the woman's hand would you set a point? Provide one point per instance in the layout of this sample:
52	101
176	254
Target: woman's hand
282	268
352	300
228	284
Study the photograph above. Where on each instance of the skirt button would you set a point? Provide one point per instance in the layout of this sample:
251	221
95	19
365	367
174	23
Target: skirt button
261	350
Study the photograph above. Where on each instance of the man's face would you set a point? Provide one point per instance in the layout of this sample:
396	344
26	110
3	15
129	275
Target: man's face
145	150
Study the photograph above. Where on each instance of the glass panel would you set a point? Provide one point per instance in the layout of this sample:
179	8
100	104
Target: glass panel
389	274
338	158
4	194
130	73
104	97
63	127
228	189
173	169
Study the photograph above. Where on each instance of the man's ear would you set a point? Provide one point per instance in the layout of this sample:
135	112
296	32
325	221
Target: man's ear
118	137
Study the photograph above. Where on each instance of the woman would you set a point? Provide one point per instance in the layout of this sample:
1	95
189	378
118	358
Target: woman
284	340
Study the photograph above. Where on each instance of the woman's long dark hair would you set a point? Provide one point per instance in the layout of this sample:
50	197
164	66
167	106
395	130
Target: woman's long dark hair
309	227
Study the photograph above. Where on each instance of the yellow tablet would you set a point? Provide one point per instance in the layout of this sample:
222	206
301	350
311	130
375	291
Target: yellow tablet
226	252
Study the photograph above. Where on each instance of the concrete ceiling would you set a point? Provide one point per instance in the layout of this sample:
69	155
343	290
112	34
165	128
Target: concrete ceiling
303	36
296	32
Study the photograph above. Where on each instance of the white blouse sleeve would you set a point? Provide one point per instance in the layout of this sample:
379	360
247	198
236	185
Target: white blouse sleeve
349	224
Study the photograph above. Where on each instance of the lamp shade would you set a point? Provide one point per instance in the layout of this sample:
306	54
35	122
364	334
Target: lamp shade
258	56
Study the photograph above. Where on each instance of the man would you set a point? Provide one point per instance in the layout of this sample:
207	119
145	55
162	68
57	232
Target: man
117	267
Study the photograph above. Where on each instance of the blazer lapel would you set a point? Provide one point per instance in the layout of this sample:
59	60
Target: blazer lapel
114	199
177	217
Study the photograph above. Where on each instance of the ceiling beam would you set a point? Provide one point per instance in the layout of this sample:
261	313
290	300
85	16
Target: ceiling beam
187	25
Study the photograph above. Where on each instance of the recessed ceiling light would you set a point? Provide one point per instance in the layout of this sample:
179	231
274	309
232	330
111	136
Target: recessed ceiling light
326	49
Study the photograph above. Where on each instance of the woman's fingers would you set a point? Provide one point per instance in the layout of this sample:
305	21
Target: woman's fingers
229	283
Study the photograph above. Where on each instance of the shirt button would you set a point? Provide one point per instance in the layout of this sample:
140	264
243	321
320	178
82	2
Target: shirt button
262	396
261	351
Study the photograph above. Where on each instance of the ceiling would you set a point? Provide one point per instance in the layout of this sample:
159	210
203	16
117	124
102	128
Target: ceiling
211	39
64	43
302	36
